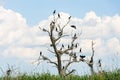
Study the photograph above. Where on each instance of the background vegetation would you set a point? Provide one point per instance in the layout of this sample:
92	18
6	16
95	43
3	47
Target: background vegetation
114	75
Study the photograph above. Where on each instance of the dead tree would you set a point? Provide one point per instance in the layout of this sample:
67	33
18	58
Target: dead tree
56	33
91	61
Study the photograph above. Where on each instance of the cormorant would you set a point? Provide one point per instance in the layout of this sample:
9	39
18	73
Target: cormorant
58	15
54	11
73	26
40	53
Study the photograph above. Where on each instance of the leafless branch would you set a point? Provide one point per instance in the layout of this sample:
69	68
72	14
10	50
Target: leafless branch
45	30
50	61
73	70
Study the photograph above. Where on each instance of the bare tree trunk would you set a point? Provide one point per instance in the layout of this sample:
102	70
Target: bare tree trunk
91	69
59	65
57	54
91	62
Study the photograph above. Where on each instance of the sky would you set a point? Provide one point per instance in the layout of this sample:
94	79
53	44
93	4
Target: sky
21	40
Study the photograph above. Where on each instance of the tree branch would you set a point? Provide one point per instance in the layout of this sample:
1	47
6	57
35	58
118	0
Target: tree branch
45	30
50	61
73	70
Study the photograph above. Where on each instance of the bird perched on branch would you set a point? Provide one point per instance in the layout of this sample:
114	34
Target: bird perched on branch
75	36
68	46
82	57
56	29
54	11
8	72
99	63
52	25
69	17
80	50
74	57
58	15
40	53
62	46
73	26
72	45
76	45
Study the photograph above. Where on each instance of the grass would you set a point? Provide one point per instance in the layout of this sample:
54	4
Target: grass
115	75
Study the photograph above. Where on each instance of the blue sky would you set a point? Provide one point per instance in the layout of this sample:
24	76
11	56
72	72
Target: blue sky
21	40
35	11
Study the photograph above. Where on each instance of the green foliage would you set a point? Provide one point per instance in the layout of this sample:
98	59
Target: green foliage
115	75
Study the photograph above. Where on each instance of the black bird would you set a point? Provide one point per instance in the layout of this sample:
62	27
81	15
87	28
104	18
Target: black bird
63	67
72	45
40	53
54	11
82	56
56	29
62	45
51	45
74	37
73	26
99	63
58	15
69	17
8	72
68	46
76	45
80	50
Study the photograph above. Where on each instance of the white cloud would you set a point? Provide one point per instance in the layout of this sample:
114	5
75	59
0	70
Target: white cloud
14	31
21	52
113	45
91	19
